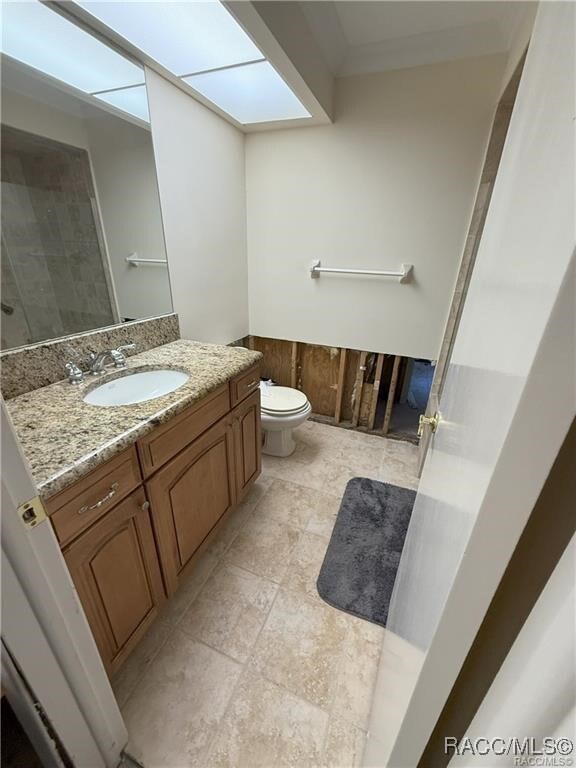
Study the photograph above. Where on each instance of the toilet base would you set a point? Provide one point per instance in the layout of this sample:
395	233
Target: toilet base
278	442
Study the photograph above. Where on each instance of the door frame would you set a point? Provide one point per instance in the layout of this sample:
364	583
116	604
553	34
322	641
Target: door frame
35	687
498	133
41	592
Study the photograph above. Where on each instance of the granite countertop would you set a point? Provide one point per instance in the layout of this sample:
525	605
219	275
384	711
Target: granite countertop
64	438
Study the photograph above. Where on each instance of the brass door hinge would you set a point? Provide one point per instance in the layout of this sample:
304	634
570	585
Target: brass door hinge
32	512
431	421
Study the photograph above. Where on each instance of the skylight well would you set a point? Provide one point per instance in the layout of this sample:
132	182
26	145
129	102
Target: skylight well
185	37
42	39
198	42
201	43
133	100
253	93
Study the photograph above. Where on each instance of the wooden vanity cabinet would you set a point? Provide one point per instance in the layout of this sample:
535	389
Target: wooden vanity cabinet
189	495
195	489
115	568
170	438
129	529
75	508
248	443
245	384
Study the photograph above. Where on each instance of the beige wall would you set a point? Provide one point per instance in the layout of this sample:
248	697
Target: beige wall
200	165
393	180
37	117
519	43
125	176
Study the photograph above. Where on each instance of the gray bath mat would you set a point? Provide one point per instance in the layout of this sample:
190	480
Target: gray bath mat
361	561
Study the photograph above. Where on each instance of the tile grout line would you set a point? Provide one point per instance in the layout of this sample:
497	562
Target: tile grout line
141	676
176	625
206	751
240	676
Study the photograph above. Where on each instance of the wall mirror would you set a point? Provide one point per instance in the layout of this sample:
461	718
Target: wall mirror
82	237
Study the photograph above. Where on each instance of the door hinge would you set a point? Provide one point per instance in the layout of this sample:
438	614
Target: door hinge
430	421
32	512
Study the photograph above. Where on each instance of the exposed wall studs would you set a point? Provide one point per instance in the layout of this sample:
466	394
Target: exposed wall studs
358	388
375	391
344	386
391	394
294	366
340	388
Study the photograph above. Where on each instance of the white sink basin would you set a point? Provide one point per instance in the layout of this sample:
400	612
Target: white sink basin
136	387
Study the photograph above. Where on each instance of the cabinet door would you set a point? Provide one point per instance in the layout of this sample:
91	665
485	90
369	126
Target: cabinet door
189	495
115	568
248	442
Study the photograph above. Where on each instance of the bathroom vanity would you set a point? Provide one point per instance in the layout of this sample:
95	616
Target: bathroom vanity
132	514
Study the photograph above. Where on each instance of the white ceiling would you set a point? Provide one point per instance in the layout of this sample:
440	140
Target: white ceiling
357	36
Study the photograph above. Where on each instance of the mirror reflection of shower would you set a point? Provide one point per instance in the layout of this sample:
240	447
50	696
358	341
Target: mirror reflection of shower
54	270
79	195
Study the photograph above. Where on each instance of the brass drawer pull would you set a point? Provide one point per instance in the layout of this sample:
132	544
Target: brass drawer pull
113	489
252	384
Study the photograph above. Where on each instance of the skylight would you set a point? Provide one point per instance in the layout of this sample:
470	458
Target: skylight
253	93
132	100
185	37
41	38
197	41
201	43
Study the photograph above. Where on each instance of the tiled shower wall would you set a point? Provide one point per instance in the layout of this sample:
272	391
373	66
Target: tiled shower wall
54	276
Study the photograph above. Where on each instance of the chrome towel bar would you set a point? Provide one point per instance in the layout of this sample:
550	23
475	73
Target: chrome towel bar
316	269
134	261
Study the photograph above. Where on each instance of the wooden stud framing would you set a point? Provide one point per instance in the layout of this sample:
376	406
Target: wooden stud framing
358	388
294	365
335	379
391	394
340	387
375	391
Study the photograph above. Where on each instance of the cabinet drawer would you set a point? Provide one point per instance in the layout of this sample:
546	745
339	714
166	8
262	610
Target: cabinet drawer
75	508
245	384
169	439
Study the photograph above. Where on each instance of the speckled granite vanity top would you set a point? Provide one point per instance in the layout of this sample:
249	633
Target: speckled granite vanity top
63	437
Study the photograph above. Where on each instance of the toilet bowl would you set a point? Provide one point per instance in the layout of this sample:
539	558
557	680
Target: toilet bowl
282	410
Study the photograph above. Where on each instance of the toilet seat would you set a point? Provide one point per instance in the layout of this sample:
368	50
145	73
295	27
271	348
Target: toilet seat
282	401
282	409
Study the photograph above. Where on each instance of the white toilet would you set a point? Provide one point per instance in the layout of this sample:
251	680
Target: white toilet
282	409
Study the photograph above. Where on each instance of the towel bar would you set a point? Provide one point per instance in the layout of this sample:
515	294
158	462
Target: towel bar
316	269
134	261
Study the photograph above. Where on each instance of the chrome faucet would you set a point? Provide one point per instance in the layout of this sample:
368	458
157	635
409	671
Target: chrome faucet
75	374
97	360
118	354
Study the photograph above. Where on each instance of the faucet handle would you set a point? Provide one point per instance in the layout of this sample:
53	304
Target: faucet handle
75	374
118	354
130	345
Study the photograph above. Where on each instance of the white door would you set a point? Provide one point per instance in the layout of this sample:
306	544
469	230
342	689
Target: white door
46	636
534	692
509	395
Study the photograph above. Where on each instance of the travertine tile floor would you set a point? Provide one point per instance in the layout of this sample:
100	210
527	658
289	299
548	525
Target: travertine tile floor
248	666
